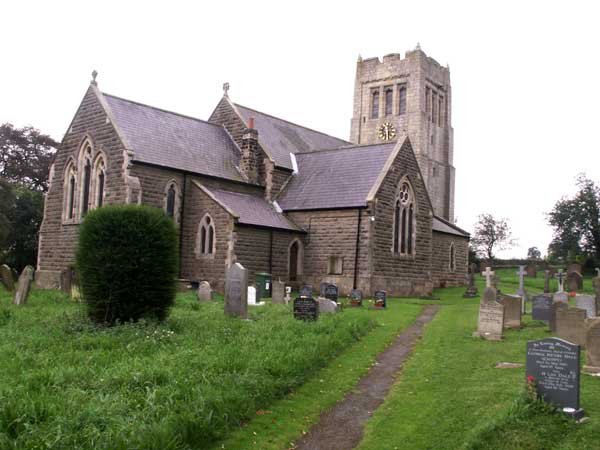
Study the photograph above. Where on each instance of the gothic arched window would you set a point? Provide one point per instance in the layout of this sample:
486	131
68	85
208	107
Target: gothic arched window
172	200
99	181
402	100
404	221
85	168
206	237
452	262
70	185
389	101
375	104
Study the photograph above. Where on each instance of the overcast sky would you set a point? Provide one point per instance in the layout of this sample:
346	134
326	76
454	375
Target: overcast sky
524	77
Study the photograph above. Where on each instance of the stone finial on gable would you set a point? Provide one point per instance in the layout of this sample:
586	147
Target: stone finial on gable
94	75
226	89
418	47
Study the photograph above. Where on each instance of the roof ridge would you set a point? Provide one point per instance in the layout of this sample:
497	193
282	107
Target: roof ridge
451	225
161	109
291	123
347	147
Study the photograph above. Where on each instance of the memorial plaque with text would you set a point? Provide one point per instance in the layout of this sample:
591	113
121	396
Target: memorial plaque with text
356	297
541	307
554	365
331	292
306	308
491	321
380	299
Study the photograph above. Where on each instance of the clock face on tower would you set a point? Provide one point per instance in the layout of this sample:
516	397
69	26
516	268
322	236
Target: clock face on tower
386	131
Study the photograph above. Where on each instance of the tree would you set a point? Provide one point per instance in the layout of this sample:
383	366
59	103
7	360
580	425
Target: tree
533	253
489	234
576	223
7	204
25	156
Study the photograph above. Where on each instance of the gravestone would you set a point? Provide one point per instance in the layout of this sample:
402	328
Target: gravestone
278	293
574	281
331	292
306	308
531	271
491	321
253	297
380	299
471	291
236	291
489	295
521	291
588	303
596	285
204	292
512	310
356	297
306	291
570	325
561	297
554	366
327	306
556	306
322	288
495	282
546	281
288	294
560	276
66	280
592	346
575	267
22	290
541	307
488	274
7	277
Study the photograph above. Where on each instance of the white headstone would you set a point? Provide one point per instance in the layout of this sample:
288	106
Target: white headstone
252	297
488	276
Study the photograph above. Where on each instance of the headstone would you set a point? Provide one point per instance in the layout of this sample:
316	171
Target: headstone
489	295
322	288
596	285
561	297
574	281
592	346
575	267
278	293
541	307
546	281
306	308
588	303
66	280
331	292
553	365
306	291
253	299
288	294
380	299
327	306
521	291
236	291
570	325
7	277
471	291
554	309
560	276
512	310
356	297
491	321
204	292
488	274
22	291
531	271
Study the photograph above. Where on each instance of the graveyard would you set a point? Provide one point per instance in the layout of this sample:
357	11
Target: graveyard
202	379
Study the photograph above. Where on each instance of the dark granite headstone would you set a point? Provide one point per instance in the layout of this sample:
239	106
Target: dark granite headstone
306	308
7	277
541	307
331	292
236	291
380	299
306	291
356	297
322	288
554	366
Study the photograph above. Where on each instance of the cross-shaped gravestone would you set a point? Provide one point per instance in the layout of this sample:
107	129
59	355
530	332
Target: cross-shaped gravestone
488	276
521	291
560	276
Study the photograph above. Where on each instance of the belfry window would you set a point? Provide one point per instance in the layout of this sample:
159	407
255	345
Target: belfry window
389	101
402	100
375	104
404	222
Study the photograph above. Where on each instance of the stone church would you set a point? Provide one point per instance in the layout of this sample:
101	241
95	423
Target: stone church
374	212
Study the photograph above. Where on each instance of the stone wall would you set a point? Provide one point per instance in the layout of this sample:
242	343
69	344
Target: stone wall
442	274
402	274
58	237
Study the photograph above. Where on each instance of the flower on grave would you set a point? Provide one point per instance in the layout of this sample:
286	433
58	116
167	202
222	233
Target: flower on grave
572	294
530	379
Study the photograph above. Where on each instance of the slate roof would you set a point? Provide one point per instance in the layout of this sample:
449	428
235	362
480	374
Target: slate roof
339	178
252	210
279	137
443	226
173	140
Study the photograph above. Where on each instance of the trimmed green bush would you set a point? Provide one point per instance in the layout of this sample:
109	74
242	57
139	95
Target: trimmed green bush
127	263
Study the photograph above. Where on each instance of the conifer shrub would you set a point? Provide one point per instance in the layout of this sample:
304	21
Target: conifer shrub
127	263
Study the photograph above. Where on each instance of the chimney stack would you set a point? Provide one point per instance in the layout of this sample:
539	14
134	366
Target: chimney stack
250	153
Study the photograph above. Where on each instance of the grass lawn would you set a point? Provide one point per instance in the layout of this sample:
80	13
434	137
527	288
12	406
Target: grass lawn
450	396
183	384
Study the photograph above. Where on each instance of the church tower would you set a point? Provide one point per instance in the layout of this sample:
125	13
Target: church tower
409	96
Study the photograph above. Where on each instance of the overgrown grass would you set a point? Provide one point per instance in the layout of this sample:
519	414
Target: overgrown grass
450	396
183	384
